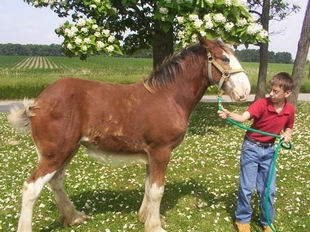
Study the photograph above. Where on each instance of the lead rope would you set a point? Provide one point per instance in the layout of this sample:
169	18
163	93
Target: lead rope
280	144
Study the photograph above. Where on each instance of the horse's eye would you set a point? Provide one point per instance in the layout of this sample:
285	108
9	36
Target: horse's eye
225	59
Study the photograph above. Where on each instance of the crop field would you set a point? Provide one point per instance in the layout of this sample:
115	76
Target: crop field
27	76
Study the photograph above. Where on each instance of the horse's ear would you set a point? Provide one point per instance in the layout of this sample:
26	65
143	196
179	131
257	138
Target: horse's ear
201	39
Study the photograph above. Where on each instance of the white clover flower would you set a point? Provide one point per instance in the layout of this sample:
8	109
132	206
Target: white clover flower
84	29
193	17
69	46
198	23
92	6
220	18
228	2
87	40
94	27
111	39
228	26
81	22
163	10
241	22
106	32
77	41
100	44
110	48
180	19
97	34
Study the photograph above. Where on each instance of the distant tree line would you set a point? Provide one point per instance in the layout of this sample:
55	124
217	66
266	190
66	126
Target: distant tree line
245	55
252	55
30	50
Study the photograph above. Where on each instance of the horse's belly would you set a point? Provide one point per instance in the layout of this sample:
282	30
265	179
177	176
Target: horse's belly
105	155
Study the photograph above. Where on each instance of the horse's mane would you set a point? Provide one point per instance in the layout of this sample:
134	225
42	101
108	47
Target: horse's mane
174	65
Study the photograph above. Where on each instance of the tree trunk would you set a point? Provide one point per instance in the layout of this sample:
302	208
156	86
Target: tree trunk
263	51
301	56
162	44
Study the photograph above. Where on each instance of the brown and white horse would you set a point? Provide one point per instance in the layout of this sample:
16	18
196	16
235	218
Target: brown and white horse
145	121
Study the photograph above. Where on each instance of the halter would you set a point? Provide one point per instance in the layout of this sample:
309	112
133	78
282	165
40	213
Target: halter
225	73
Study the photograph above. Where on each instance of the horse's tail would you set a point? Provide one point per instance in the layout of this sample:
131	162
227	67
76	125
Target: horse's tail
19	116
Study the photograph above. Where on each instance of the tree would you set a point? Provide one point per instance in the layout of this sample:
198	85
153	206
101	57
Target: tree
301	56
270	10
98	25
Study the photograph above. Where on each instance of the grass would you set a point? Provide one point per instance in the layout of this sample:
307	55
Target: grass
18	81
201	181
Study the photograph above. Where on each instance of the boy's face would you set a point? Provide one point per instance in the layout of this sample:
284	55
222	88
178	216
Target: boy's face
277	94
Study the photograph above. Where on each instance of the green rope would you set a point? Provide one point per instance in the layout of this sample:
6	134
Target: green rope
280	144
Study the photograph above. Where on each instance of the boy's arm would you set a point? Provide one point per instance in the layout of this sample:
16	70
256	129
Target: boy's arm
240	118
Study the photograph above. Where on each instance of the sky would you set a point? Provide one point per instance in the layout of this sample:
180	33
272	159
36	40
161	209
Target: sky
24	24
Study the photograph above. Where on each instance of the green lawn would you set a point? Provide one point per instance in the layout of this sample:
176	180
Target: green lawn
201	184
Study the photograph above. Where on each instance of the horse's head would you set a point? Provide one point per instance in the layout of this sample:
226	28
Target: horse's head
225	71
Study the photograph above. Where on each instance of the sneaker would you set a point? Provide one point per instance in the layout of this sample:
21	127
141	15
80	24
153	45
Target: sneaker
267	229
242	227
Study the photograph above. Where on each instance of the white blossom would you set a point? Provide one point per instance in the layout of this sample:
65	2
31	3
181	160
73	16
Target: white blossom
263	33
84	29
110	48
198	23
241	22
84	48
163	10
97	34
207	17
87	40
77	41
180	19
100	44
228	26
228	2
106	32
208	25
203	33
242	3
92	6
193	17
111	38
220	18
181	34
69	46
254	28
81	22
94	27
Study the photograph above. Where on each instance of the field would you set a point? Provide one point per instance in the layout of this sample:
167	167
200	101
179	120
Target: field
202	176
27	76
201	184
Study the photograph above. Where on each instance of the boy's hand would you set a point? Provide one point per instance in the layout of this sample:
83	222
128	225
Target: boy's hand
223	114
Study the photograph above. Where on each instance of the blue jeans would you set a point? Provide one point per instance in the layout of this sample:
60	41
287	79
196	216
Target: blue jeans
255	166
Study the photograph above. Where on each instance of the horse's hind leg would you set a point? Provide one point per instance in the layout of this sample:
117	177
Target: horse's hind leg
68	215
31	191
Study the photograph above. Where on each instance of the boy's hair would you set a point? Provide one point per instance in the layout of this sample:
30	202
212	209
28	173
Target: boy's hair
283	80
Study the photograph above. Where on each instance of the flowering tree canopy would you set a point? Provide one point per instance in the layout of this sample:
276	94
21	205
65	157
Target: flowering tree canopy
101	25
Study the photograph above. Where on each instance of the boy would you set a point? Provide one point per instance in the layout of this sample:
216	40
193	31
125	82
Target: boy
271	114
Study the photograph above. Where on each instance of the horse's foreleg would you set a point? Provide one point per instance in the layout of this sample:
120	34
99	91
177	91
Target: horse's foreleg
145	202
158	166
31	191
68	215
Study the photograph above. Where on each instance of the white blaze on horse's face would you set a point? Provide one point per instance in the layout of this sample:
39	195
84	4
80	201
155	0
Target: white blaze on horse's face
238	86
